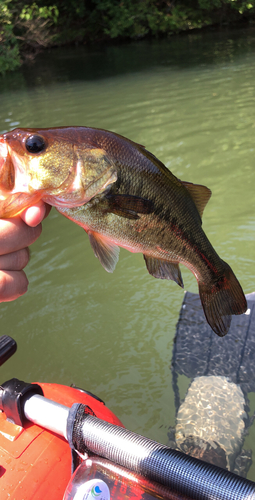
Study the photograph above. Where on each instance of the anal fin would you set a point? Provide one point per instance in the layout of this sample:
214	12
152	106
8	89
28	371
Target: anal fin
164	269
106	251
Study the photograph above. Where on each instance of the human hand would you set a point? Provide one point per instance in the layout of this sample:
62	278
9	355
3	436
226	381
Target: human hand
16	235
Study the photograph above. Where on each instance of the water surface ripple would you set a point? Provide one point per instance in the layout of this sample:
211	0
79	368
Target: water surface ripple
190	101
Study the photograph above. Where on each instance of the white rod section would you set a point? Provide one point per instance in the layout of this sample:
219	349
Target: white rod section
46	413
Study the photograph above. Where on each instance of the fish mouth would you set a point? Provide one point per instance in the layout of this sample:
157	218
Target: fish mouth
12	201
3	152
7	172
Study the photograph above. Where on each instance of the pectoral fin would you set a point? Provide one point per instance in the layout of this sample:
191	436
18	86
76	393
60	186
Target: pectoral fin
106	251
128	206
164	270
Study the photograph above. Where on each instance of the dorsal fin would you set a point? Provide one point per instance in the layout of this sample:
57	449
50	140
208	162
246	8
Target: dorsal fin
200	195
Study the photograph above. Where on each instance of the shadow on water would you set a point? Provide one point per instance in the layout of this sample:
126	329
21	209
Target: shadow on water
107	60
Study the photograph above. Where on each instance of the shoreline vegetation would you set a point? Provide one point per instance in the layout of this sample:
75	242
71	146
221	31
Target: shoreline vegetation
28	27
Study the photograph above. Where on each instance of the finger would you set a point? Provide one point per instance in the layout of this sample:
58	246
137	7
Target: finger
13	284
14	261
47	211
32	216
16	234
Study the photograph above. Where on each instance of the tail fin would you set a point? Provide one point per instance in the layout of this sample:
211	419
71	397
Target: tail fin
221	300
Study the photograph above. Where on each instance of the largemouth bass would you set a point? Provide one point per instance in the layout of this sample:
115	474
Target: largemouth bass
123	196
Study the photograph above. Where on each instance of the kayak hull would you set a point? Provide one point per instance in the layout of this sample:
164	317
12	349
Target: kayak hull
36	463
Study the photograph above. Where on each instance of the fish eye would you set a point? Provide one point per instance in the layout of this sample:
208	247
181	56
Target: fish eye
35	144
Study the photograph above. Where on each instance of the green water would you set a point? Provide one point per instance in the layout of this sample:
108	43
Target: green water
191	101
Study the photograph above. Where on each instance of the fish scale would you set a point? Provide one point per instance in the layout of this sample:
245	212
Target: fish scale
123	196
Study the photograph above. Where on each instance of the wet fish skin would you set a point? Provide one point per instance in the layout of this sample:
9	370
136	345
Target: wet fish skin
122	195
68	171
